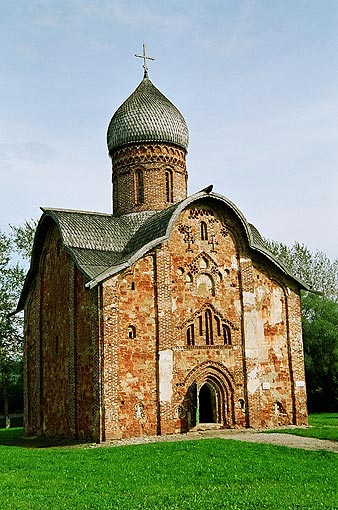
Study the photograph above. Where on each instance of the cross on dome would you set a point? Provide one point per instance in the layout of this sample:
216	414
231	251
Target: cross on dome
145	58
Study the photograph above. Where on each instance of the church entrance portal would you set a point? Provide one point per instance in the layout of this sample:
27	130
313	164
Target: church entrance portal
209	397
207	401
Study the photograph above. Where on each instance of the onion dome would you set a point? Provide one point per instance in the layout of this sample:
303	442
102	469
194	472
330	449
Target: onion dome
147	116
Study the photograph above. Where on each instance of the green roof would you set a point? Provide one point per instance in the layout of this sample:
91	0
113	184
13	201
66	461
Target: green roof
102	245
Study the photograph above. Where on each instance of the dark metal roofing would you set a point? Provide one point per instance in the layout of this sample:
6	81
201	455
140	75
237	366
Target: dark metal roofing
147	116
102	245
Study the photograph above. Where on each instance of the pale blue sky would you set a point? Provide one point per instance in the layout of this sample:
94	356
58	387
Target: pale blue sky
255	80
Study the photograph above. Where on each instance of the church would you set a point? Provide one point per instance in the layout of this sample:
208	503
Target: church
166	315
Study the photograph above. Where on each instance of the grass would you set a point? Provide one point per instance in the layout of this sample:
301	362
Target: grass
321	426
195	475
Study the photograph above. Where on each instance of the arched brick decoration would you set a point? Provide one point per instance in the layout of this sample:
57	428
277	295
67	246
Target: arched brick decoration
220	379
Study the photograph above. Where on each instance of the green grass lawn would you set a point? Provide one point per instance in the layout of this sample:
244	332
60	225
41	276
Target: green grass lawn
321	426
206	474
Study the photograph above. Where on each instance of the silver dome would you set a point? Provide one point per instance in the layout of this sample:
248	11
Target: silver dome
147	116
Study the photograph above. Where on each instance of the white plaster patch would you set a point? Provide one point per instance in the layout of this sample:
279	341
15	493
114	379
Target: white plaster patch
253	381
254	329
234	262
248	298
173	305
251	353
238	308
260	293
166	363
276	310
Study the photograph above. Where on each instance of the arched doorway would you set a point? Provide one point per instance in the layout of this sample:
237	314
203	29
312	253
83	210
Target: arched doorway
209	396
207	404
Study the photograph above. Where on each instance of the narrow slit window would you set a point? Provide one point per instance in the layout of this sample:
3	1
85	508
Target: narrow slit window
115	193
204	231
139	187
226	335
208	328
218	325
200	324
169	185
190	335
131	332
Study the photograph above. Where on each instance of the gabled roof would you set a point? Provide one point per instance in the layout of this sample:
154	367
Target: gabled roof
102	245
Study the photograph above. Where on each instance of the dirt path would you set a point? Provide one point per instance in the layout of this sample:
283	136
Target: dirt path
252	436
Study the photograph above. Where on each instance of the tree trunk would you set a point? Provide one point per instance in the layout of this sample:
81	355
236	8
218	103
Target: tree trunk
5	396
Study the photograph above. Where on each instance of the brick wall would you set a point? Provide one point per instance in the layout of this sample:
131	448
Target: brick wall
205	311
200	313
130	338
153	160
58	347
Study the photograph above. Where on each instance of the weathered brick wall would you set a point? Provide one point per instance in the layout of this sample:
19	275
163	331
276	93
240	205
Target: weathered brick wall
205	294
32	361
266	348
85	358
130	374
153	160
130	358
58	348
297	356
201	309
269	325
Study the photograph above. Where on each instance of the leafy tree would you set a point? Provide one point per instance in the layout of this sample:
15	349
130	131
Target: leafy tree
315	269
12	276
23	237
319	319
320	332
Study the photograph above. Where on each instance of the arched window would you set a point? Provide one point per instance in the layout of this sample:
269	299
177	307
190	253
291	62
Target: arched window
189	278
241	403
203	263
190	335
169	185
218	325
200	325
131	332
226	334
205	285
204	231
139	187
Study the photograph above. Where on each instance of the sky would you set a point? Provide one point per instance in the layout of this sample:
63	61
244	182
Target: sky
256	81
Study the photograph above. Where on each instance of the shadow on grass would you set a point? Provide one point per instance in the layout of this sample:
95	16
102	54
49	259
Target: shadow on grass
15	437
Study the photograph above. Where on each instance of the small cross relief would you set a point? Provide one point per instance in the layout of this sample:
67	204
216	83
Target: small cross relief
188	237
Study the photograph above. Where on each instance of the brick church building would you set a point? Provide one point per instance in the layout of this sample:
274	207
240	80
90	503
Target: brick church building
164	315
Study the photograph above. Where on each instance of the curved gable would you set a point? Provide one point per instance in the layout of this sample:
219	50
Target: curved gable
158	228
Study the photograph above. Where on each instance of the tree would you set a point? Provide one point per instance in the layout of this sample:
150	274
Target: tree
315	269
319	320
320	332
12	276
23	237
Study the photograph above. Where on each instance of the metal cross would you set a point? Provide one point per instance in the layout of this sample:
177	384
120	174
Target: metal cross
145	58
